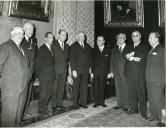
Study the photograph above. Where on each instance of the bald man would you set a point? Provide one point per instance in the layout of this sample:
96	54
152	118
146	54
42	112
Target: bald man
29	45
134	71
81	63
155	78
14	69
117	71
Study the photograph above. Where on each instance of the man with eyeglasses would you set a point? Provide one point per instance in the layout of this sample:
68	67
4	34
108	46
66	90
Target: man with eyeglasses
117	71
134	70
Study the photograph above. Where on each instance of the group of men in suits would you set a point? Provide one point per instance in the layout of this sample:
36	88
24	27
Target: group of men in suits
136	69
130	64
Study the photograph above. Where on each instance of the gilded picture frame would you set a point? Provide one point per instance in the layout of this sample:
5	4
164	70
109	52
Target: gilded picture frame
34	10
123	13
161	13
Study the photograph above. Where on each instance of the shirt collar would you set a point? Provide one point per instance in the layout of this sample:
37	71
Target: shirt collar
81	43
123	45
137	43
102	47
60	42
155	45
26	37
49	47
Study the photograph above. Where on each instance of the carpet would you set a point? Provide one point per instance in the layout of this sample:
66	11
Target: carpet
72	117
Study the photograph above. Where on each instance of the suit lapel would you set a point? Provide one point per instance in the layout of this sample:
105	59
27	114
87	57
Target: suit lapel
154	50
48	50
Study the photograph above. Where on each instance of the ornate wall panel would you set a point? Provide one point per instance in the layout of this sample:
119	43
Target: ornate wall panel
66	18
85	19
76	16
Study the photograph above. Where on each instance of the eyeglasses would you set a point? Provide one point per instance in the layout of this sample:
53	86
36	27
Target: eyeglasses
135	35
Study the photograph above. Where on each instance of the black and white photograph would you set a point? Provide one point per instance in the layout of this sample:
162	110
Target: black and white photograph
82	63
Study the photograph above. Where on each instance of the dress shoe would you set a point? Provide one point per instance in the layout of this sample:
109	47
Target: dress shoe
151	118
26	114
60	106
117	107
95	105
84	106
130	112
49	113
125	109
103	105
76	107
42	113
54	109
145	117
161	124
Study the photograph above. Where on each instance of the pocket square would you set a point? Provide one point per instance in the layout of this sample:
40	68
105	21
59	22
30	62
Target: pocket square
154	53
106	55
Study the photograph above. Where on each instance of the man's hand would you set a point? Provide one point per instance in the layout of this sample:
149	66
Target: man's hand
70	80
131	54
74	74
110	75
91	75
137	59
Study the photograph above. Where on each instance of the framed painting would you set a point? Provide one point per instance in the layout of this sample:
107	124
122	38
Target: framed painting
123	13
161	12
1	7
34	10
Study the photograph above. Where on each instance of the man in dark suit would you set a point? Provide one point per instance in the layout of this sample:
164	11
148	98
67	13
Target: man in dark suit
135	67
117	71
14	72
29	45
155	78
60	51
81	62
45	72
100	69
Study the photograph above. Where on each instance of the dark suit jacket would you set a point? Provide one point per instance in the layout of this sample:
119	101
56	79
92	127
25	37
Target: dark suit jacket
61	57
30	51
117	61
155	71
44	65
101	61
14	68
80	58
132	68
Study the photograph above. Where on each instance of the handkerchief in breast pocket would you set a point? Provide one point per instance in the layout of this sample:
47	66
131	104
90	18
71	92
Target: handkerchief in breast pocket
154	53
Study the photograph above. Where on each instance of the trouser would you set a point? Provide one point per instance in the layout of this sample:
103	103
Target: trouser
30	87
121	88
80	89
58	90
45	88
136	93
156	98
13	104
99	86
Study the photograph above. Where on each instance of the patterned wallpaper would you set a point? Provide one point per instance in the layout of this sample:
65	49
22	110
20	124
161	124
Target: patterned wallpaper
75	16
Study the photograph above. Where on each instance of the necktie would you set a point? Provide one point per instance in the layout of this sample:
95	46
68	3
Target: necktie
82	44
20	48
62	45
120	48
30	41
135	45
101	49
